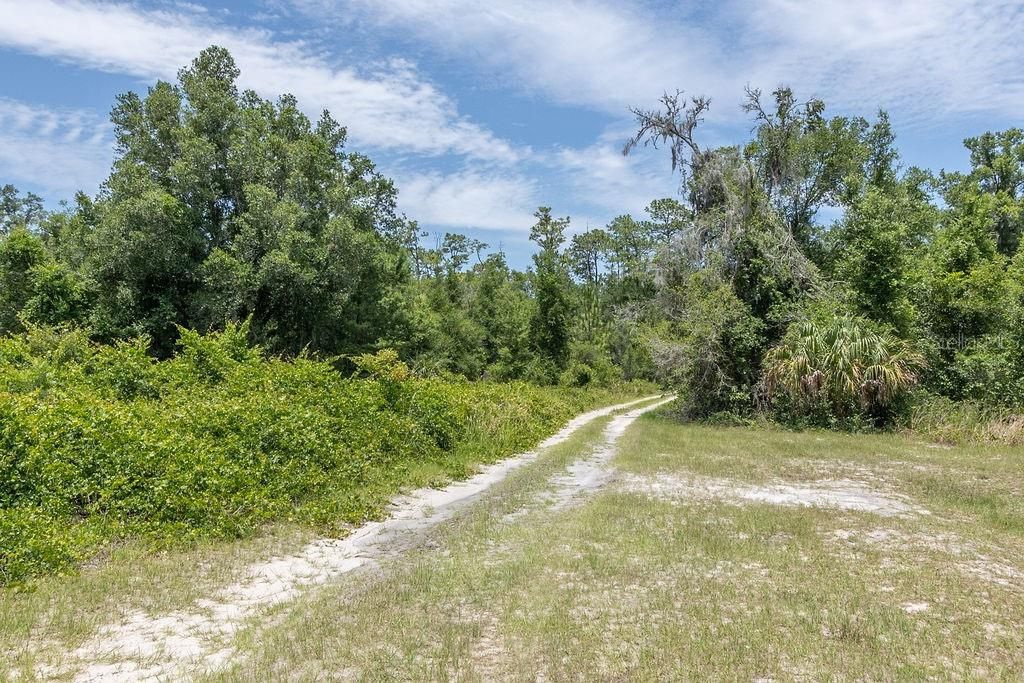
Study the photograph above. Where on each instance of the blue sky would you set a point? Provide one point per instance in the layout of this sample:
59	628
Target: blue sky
482	111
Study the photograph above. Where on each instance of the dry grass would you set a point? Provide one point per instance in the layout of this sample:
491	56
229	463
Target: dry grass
58	614
634	585
681	567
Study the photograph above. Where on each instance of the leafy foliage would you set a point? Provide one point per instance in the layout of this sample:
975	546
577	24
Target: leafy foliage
222	207
98	441
841	363
912	289
239	327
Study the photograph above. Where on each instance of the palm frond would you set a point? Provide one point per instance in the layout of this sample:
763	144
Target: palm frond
842	361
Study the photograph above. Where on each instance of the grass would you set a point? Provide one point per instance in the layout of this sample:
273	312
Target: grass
631	586
57	614
635	583
479	561
60	612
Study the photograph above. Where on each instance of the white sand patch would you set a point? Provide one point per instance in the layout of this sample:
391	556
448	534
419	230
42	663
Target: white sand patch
915	607
843	494
594	472
198	639
995	571
974	559
891	539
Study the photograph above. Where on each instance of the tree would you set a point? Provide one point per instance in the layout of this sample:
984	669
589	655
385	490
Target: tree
548	232
673	124
745	253
668	219
876	243
20	253
34	287
733	224
456	250
222	206
587	254
805	161
963	284
19	211
733	228
707	345
964	298
997	173
550	326
503	308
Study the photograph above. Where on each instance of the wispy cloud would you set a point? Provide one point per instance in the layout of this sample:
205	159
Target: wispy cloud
604	55
927	60
57	151
390	106
470	198
613	184
63	151
924	59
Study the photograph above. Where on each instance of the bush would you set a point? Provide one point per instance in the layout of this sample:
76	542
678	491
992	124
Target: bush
839	370
711	357
541	371
99	442
589	365
32	542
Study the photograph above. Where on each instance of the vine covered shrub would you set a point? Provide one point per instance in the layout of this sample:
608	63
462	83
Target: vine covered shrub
103	442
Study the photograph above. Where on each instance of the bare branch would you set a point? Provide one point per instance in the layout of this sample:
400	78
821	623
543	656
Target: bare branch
674	125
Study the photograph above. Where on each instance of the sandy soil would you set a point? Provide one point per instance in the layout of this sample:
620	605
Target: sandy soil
198	639
590	474
844	494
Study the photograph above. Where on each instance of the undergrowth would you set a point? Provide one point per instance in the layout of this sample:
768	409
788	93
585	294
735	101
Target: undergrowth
101	442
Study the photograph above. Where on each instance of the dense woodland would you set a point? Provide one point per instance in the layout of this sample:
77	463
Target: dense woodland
223	207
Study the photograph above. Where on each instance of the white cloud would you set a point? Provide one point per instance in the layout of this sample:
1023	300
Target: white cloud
57	152
593	184
612	183
471	198
390	107
922	59
608	56
927	60
62	151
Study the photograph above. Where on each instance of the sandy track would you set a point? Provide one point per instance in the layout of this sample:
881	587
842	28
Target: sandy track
590	474
198	639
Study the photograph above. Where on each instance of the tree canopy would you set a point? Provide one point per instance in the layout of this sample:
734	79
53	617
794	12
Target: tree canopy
223	208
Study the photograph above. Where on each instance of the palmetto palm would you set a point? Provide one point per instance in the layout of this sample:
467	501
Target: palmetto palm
843	362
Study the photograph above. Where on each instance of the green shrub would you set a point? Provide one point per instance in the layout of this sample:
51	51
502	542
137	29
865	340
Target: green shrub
218	439
712	355
589	365
838	370
32	542
541	371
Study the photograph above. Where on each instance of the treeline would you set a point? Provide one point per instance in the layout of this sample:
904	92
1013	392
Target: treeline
918	285
804	273
223	207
